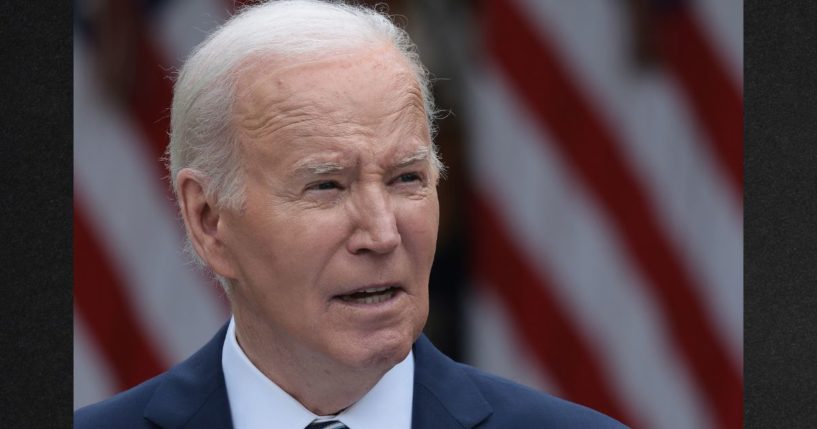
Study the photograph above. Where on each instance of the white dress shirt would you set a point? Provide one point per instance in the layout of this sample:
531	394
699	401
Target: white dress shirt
256	402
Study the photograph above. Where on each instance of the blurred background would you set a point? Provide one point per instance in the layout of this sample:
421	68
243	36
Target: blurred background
591	222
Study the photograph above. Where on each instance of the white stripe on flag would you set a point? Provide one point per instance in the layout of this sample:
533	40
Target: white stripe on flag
722	23
181	25
663	145
93	378
493	343
693	201
562	231
136	222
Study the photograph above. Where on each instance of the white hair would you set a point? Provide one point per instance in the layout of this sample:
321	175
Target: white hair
201	137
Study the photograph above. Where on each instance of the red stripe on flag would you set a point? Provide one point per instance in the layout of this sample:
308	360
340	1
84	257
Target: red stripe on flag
99	299
151	97
537	76
125	55
150	106
548	331
716	101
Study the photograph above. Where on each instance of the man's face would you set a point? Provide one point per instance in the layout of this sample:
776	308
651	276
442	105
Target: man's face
333	250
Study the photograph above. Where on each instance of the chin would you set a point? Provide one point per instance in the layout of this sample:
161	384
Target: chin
380	350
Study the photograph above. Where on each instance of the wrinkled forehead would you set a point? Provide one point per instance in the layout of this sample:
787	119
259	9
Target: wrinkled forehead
366	98
359	82
333	101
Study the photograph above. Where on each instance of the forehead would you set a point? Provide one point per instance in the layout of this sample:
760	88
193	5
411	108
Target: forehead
359	82
332	102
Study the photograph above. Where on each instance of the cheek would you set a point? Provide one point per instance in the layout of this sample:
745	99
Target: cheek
307	243
271	247
420	221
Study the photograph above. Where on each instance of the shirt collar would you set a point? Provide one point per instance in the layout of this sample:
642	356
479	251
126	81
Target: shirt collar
256	402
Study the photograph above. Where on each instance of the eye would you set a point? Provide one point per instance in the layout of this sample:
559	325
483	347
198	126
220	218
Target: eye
326	185
408	178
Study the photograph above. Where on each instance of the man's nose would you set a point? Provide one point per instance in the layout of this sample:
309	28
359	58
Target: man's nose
375	228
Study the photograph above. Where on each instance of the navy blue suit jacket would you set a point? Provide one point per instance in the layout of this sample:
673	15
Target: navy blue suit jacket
446	395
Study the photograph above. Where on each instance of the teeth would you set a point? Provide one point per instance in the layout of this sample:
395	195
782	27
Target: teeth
375	290
375	299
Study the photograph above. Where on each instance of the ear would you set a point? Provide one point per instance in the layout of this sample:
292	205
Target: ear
203	222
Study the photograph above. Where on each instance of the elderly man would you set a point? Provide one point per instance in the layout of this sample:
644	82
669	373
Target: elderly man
302	159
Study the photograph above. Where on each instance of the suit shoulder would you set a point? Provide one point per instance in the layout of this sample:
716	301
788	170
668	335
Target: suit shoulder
516	405
123	410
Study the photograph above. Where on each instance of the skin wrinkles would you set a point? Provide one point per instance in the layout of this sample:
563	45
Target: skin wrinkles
280	110
348	175
290	120
403	122
357	122
315	166
261	125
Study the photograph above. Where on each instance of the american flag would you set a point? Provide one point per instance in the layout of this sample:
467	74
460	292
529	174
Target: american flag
601	181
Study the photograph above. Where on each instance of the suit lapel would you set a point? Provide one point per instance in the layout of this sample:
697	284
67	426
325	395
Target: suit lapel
444	395
193	394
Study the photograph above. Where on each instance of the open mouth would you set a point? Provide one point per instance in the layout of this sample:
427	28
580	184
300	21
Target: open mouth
371	295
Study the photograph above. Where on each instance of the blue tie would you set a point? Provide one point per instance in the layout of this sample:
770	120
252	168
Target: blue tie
331	424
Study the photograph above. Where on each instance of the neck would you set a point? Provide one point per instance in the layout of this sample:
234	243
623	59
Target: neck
322	386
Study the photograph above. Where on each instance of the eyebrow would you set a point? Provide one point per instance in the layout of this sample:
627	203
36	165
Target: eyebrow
314	167
420	154
311	167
